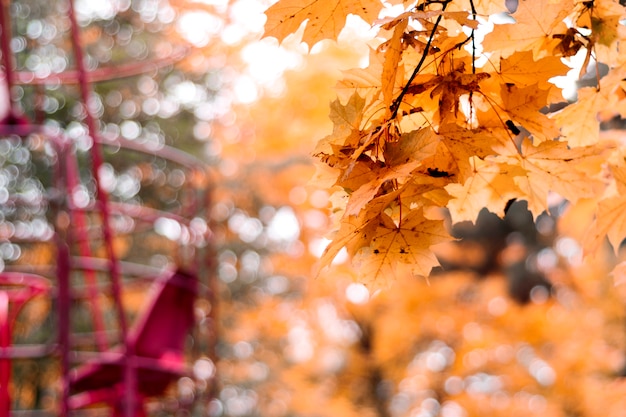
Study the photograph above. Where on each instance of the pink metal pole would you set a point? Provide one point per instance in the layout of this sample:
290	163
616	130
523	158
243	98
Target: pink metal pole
5	363
79	219
63	268
5	40
96	153
63	300
101	196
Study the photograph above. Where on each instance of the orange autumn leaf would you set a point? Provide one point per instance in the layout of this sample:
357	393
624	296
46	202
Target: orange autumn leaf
464	144
523	106
363	81
436	119
393	55
535	23
522	70
483	7
324	19
578	121
356	232
610	218
491	185
360	198
401	246
553	166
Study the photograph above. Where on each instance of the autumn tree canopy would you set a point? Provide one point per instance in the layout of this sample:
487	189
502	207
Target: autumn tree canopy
457	109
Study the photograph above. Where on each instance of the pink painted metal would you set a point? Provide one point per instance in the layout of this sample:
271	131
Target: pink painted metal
157	340
16	289
149	354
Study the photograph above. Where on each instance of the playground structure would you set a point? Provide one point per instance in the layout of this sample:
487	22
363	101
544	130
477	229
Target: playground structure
105	251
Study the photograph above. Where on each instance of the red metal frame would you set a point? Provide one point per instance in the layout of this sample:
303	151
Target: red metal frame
79	257
16	289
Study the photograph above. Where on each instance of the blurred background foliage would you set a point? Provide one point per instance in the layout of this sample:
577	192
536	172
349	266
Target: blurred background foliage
515	322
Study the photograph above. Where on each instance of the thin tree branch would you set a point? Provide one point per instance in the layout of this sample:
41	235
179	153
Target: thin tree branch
396	104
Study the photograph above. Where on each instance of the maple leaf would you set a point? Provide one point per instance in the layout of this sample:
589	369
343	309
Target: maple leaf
535	23
463	18
358	173
483	7
467	146
610	218
522	70
491	185
393	55
613	87
553	166
523	105
325	19
578	121
356	232
425	190
346	125
452	86
416	145
605	19
347	119
397	246
363	81
463	144
361	197
401	159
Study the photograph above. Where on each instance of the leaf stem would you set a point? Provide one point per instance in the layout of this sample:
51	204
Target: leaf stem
473	38
471	103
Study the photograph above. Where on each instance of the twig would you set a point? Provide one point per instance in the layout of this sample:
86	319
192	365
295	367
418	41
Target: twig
396	104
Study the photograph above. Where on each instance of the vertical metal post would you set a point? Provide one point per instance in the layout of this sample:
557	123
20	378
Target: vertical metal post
5	362
102	202
63	301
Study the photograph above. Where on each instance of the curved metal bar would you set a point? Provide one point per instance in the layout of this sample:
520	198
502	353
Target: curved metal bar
100	74
166	152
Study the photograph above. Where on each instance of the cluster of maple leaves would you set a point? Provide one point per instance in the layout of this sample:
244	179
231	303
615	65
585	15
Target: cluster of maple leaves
445	116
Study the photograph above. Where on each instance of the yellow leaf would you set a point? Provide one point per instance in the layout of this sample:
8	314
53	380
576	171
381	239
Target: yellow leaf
359	173
393	56
579	122
346	128
395	248
348	116
356	232
361	197
416	145
522	70
452	86
466	143
536	22
491	186
611	215
523	105
325	19
553	166
363	81
483	7
425	190
605	21
463	18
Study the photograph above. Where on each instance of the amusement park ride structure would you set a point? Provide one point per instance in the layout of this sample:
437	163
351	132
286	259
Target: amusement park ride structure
54	201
